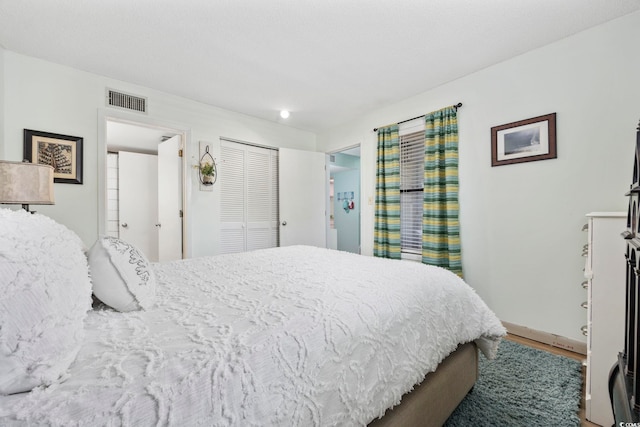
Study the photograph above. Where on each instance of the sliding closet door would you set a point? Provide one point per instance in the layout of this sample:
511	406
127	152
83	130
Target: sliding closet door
231	173
262	198
249	197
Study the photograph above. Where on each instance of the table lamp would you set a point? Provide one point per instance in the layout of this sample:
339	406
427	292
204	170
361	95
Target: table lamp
26	184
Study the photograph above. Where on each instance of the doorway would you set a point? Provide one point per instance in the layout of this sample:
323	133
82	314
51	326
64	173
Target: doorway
144	188
344	200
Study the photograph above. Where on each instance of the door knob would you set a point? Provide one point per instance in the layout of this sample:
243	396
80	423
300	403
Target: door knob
125	225
284	223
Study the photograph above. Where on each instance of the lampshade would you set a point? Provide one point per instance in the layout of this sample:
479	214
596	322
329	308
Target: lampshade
26	183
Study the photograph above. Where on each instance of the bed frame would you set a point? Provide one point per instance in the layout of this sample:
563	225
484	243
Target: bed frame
624	379
433	401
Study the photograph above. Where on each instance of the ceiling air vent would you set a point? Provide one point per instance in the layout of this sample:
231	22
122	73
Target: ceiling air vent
126	101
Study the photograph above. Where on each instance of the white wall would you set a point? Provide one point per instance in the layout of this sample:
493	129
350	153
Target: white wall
2	102
48	97
521	224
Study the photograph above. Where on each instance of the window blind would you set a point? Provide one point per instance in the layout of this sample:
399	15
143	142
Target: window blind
411	188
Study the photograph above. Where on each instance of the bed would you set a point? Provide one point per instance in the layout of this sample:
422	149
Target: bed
292	336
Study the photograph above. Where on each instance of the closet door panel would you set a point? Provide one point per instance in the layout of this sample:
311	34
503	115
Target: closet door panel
232	240
232	198
258	199
275	224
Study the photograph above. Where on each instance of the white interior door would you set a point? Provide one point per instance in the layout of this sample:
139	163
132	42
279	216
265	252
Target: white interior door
138	201
170	200
303	192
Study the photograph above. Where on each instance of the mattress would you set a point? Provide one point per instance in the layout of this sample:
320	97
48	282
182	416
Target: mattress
293	336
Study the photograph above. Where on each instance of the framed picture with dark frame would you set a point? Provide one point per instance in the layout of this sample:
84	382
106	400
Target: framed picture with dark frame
524	141
62	152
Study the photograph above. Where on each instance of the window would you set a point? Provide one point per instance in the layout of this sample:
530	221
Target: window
411	187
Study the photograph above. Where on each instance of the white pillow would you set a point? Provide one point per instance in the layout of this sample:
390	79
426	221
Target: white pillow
121	275
45	293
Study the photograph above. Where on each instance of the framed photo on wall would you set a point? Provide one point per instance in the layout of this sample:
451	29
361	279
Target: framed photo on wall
524	141
62	152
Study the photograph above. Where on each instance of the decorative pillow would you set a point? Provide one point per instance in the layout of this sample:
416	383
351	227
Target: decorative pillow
121	275
45	293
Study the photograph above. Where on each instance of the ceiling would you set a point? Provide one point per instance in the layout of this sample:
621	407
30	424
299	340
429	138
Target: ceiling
326	61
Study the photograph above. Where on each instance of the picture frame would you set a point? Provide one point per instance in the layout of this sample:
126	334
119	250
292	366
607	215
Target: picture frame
524	141
62	152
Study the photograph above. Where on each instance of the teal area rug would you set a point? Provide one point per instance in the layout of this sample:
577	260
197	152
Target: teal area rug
522	387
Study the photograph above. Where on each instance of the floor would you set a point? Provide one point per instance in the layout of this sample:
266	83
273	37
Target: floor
561	352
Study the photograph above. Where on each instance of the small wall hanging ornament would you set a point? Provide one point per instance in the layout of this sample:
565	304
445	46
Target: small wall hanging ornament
347	200
207	170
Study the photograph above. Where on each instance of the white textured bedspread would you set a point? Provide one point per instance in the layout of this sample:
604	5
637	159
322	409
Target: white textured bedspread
294	336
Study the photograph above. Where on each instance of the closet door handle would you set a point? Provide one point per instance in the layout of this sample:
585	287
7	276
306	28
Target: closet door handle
284	223
125	225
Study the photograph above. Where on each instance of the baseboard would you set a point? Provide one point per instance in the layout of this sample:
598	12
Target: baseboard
547	338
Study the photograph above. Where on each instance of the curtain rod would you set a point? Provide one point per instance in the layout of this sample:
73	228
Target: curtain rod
456	106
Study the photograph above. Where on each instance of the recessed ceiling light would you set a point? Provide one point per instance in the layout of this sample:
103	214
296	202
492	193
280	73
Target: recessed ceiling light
284	114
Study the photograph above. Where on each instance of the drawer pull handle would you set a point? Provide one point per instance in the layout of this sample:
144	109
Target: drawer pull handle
585	227
585	284
585	304
584	329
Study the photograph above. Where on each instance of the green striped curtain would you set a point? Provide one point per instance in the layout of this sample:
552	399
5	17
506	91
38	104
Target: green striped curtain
440	224
387	223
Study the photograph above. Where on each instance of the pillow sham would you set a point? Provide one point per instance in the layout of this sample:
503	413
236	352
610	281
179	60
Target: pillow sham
121	275
45	293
